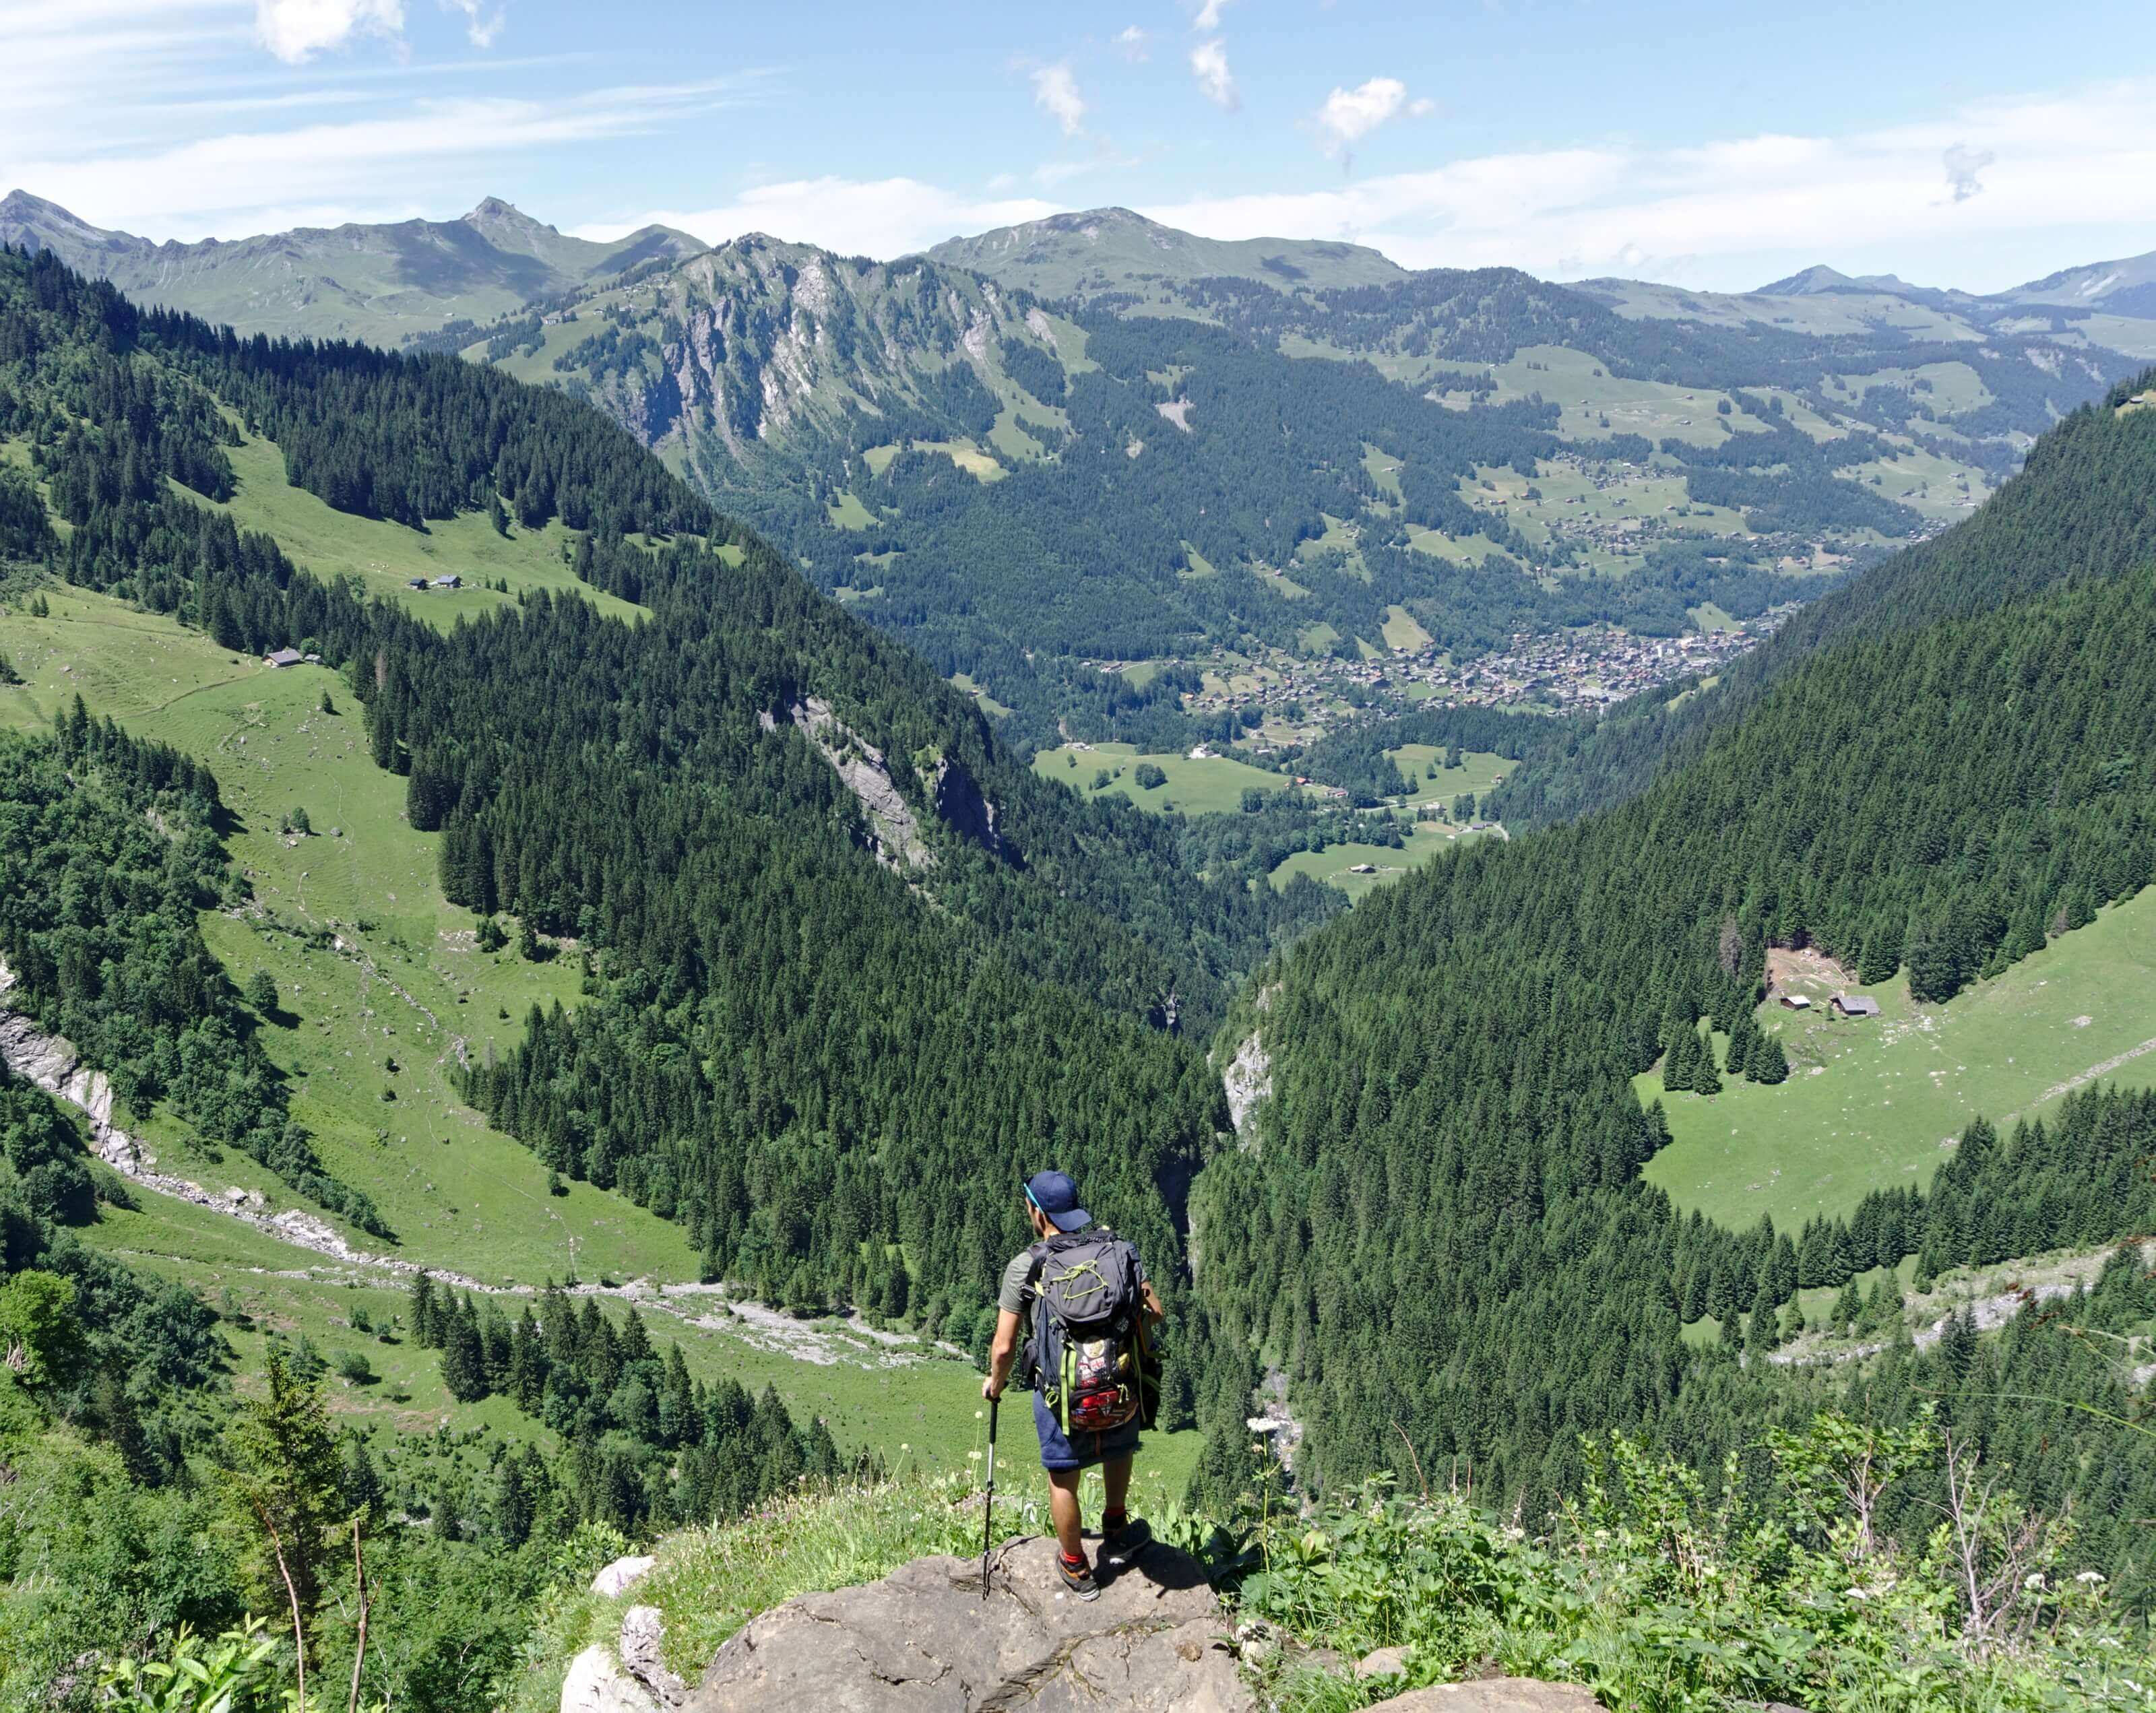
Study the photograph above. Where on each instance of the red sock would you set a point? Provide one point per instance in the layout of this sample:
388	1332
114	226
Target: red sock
1077	1561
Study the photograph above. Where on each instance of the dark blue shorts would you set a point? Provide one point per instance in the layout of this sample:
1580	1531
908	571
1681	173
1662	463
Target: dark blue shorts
1058	1452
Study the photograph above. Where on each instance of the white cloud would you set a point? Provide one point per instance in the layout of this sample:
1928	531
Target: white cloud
1349	115
1133	43
1208	64
481	27
2064	177
1208	16
244	182
1055	93
295	30
1962	164
883	218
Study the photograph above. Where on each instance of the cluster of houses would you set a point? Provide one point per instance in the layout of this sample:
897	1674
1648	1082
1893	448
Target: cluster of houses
278	658
451	582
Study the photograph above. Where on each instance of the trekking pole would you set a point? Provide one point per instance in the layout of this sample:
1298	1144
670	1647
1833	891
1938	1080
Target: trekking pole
989	1510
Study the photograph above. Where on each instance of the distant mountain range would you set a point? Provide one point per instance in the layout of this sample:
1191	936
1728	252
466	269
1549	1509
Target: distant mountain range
2126	288
1094	437
1112	251
381	283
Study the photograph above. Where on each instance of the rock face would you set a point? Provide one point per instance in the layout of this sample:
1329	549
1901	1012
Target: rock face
961	807
1247	1080
923	1640
892	827
596	1683
1497	1694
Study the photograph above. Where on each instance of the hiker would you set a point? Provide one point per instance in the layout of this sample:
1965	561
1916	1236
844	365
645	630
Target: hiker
1088	1363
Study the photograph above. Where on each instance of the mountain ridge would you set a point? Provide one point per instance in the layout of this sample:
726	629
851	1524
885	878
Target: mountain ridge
1064	255
383	282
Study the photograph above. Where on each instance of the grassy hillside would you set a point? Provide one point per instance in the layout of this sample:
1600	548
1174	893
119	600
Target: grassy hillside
1873	1103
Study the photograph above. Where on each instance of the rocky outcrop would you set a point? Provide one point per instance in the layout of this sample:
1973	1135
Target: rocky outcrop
643	1653
1247	1080
597	1683
961	806
893	828
923	1640
616	1579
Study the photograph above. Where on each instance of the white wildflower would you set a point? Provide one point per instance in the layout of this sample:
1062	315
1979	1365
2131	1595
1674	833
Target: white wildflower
2033	1580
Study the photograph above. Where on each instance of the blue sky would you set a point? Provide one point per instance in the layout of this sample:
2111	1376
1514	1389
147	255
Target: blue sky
1714	145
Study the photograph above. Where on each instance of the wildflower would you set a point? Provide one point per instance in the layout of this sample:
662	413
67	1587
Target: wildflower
2090	1577
977	1414
2033	1580
1860	1593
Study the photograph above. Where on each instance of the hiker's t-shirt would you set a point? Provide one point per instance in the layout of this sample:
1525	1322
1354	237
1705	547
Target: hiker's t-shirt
1019	1278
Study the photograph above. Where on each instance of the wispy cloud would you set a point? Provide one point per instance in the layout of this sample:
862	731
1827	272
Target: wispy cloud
482	26
1133	43
1055	93
243	180
1208	16
1704	212
1208	64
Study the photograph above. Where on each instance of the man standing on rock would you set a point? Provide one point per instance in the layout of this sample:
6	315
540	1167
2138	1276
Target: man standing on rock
1087	1361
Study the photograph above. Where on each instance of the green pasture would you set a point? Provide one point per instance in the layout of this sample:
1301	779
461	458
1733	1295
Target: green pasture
1477	771
1212	785
1939	488
385	556
1585	391
847	512
1401	630
1340	537
1872	1102
988	703
982	466
1335	865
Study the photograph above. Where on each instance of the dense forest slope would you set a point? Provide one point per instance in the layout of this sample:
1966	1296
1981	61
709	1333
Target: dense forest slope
2083	506
841	968
1436	1227
835	930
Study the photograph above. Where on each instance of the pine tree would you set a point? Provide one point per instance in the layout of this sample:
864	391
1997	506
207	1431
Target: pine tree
1706	1079
422	1311
292	1479
464	1359
1848	1307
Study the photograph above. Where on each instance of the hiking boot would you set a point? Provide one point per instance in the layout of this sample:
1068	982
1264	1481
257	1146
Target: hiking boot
1078	1578
1119	1545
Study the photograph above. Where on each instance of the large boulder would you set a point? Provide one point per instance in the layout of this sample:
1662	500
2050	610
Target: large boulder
923	1640
1494	1695
597	1684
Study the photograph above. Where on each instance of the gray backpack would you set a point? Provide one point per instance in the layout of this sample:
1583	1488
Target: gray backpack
1087	1356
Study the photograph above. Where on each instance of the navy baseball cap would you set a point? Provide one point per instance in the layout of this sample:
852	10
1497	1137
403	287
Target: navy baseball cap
1057	1197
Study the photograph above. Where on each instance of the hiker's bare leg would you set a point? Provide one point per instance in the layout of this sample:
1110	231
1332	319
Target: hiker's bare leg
1063	1506
1117	1475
